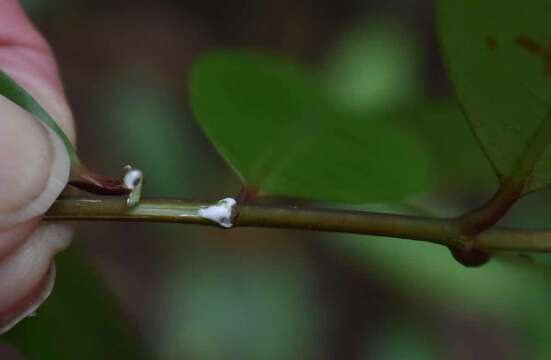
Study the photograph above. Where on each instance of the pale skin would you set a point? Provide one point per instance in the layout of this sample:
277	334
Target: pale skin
33	171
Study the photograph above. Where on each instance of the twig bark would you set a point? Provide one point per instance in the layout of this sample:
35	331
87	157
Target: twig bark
441	231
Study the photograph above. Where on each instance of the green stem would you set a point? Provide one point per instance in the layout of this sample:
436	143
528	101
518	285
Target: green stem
436	230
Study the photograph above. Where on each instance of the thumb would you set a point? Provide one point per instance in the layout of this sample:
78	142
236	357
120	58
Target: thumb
34	165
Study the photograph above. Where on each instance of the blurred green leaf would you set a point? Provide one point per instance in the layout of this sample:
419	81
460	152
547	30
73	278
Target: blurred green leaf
230	307
509	291
498	59
374	69
271	120
373	66
429	272
404	340
80	320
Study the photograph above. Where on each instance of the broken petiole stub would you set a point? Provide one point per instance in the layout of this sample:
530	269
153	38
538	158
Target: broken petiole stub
129	185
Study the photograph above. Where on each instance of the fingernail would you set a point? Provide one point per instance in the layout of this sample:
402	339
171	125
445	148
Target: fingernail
34	165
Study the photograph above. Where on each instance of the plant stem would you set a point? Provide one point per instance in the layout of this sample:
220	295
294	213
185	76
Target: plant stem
436	230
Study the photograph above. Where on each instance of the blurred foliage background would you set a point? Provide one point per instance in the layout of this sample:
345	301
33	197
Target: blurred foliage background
143	291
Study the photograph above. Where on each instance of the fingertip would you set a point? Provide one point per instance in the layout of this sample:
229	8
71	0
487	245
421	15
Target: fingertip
29	304
27	275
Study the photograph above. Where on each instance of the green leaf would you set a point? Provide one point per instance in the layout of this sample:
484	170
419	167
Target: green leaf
498	56
80	320
374	68
456	159
272	122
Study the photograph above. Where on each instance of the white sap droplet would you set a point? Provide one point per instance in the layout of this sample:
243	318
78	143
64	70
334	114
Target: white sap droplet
132	178
220	213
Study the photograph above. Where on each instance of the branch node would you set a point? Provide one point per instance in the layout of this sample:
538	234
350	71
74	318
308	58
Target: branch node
465	243
473	258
